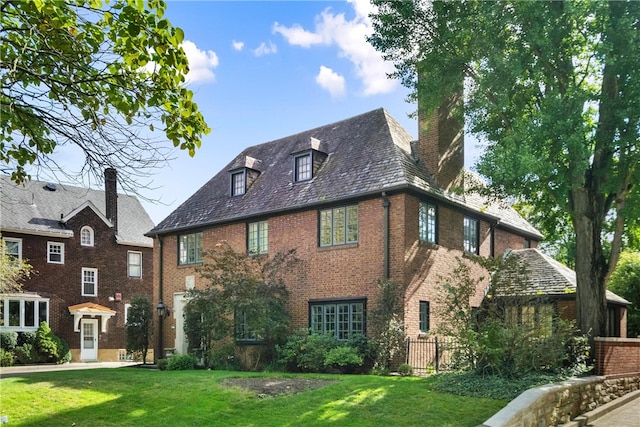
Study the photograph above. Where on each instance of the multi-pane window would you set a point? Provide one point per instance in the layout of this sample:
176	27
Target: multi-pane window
342	319
258	239
339	226
536	316
13	248
86	236
23	314
134	264
55	252
90	282
427	222
471	235
190	248
424	316
238	183
243	329
303	167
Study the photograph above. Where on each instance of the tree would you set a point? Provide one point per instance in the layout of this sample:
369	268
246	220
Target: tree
12	270
139	326
625	281
554	89
245	299
100	76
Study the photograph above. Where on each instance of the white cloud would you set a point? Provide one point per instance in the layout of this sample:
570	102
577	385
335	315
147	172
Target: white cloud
265	49
201	63
237	45
331	81
349	36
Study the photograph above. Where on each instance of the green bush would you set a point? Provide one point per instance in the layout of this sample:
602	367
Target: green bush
26	338
162	364
26	354
405	370
181	362
343	357
50	347
223	357
6	357
8	340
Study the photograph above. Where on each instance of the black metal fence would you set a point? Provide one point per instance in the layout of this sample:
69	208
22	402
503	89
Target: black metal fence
430	355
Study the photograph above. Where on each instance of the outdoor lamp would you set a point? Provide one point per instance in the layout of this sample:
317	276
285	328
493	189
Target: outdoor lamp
163	310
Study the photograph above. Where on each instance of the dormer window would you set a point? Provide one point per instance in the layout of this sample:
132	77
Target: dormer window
238	183
302	166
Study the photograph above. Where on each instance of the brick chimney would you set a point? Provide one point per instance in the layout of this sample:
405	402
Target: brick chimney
441	143
111	196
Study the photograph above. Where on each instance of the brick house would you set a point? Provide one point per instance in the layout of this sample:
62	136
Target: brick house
360	201
89	257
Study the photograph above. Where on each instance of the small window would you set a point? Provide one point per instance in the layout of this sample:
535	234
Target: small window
190	249
126	313
238	183
13	248
343	319
424	316
471	235
55	252
339	226
89	282
243	330
427	222
527	243
302	166
86	236
134	264
258	241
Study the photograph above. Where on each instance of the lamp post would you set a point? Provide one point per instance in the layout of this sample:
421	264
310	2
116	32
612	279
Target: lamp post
163	311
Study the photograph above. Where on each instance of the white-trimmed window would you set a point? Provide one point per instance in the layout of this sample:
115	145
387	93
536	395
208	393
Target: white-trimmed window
303	167
238	183
258	238
86	236
89	282
127	306
343	319
23	312
190	249
339	226
427	222
134	264
55	253
13	248
471	235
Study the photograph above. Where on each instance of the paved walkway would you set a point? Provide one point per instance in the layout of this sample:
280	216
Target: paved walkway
626	415
13	371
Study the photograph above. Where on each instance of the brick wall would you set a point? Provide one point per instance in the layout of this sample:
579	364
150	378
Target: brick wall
617	356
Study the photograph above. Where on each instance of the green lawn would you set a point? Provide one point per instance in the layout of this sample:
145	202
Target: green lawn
143	397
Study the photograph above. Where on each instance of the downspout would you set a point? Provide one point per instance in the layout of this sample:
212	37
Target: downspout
385	236
160	292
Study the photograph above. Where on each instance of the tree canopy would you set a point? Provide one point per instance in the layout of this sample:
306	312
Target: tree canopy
98	75
553	87
625	281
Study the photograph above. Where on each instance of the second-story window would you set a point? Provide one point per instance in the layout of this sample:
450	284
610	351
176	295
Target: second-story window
238	183
302	166
258	239
424	314
55	253
86	236
134	264
339	226
190	249
13	248
427	222
90	282
471	235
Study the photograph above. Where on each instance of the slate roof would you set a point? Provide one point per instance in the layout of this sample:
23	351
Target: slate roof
367	155
549	277
33	209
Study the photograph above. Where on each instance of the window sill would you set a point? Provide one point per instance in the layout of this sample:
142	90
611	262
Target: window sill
335	247
429	245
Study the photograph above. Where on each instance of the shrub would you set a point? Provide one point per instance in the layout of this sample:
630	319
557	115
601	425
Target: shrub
181	362
26	354
405	370
223	357
289	352
8	340
51	348
162	364
344	357
26	338
6	357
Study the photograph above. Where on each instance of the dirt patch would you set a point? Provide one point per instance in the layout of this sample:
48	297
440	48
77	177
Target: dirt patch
272	387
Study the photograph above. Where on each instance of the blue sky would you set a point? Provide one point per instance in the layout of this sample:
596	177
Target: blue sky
262	70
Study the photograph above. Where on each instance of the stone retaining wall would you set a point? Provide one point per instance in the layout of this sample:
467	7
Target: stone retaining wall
559	403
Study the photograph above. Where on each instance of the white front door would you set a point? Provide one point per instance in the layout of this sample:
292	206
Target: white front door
89	339
179	302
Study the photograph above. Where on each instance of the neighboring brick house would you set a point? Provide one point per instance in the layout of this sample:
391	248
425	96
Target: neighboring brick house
549	290
89	255
358	201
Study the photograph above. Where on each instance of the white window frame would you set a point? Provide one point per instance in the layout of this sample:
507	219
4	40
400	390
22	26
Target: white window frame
95	281
21	299
130	264
50	252
127	306
83	240
13	240
258	238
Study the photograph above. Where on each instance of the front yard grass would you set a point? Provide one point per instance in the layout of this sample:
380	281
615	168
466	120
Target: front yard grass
142	397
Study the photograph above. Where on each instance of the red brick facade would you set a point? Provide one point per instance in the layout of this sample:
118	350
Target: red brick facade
616	356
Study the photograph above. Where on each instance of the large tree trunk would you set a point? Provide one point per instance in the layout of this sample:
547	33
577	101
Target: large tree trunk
591	268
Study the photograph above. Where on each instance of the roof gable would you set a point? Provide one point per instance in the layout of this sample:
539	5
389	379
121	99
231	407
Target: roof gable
90	205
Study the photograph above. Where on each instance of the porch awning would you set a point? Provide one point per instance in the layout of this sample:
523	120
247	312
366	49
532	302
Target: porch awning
93	310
